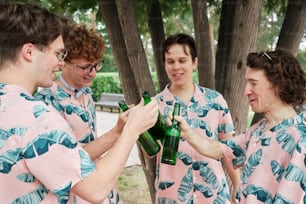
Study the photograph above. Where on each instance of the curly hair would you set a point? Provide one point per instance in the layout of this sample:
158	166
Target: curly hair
82	42
284	71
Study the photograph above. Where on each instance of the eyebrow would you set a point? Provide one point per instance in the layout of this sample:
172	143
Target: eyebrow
251	79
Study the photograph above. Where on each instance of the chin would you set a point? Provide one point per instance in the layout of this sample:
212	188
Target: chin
46	84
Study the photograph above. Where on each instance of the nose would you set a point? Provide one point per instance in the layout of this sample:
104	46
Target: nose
176	65
247	90
61	63
92	71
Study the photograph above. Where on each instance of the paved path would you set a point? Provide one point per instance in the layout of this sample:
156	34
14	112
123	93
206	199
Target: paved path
107	120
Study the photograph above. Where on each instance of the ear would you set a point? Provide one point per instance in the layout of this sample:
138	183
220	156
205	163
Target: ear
27	51
195	64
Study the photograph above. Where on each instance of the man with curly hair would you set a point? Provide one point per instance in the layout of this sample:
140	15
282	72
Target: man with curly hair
272	151
71	96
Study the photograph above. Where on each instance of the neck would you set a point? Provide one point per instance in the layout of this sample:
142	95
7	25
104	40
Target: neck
275	117
66	85
183	92
8	75
76	91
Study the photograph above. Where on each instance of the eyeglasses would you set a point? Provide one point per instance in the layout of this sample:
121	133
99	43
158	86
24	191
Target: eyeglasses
88	68
263	53
61	55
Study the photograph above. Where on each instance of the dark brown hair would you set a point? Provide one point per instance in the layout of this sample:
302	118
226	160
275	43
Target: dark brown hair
22	23
182	39
284	71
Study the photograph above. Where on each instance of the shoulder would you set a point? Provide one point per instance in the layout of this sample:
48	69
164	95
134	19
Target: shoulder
209	94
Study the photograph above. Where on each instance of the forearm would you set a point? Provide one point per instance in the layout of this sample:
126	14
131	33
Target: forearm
102	144
97	185
206	147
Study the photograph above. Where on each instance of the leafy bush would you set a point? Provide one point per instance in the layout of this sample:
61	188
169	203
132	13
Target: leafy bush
109	82
105	84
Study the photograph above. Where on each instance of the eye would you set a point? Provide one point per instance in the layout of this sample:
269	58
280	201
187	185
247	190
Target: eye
61	55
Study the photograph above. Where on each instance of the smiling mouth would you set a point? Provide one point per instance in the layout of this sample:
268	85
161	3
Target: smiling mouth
252	100
177	75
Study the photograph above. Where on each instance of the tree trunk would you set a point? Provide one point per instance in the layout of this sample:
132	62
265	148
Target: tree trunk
155	22
108	9
243	39
135	51
140	69
206	67
224	43
293	26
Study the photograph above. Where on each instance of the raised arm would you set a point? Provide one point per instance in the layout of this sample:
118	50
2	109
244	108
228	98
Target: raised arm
206	147
97	185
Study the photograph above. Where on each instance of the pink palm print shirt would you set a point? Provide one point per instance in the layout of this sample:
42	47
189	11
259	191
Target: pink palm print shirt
195	178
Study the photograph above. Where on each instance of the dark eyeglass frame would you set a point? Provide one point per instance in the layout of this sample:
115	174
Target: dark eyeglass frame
263	53
97	66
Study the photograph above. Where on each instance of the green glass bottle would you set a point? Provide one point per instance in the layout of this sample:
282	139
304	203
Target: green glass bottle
147	142
159	129
171	140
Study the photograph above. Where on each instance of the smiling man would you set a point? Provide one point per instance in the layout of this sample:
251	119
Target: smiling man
272	151
71	96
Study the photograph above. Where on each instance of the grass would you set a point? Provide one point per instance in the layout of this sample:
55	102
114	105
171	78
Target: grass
133	187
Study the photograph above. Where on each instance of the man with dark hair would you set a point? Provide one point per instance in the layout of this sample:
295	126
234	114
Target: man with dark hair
40	158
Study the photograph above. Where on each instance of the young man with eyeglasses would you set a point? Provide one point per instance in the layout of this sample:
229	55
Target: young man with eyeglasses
71	94
41	160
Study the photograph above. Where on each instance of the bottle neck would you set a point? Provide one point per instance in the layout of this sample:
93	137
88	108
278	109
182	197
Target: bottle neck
176	112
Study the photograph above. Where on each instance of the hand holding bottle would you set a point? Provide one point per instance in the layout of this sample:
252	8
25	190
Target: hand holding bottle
171	139
186	130
142	117
148	143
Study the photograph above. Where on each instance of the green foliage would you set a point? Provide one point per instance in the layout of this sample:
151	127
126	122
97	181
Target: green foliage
107	84
302	58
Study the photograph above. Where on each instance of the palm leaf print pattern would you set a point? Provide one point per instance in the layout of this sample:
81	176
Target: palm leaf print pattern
9	159
279	199
4	135
54	98
41	144
87	139
78	110
165	184
185	158
237	151
27	178
63	193
250	165
49	98
277	169
261	194
294	173
34	197
207	193
39	110
185	186
27	97
223	193
286	141
87	165
166	201
208	176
